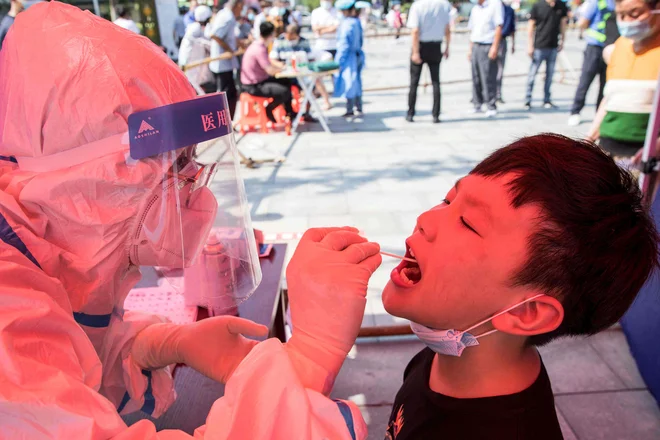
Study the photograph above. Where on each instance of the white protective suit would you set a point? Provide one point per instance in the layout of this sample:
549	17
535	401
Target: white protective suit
68	198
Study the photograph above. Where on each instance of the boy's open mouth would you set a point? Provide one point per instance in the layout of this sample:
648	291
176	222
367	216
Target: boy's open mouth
407	274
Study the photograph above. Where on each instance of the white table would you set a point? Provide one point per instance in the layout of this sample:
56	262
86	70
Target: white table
307	78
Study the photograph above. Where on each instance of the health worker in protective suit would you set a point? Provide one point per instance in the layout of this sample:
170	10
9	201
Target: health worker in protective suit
100	174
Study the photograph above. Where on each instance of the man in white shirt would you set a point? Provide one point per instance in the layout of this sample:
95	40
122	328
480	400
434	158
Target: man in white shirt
125	20
429	22
325	22
223	40
485	24
260	18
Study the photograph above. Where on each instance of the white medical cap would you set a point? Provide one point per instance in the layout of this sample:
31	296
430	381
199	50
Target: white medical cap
202	13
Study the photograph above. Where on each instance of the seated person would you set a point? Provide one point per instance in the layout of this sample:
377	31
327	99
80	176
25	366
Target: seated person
290	42
258	73
545	238
284	49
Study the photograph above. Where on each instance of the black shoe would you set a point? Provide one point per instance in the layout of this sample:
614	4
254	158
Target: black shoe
270	116
409	118
436	120
348	114
528	106
500	101
309	118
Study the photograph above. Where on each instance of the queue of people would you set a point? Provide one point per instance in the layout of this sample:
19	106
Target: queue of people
339	37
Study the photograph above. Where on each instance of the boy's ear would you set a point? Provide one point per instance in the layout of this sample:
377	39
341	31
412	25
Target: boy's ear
542	315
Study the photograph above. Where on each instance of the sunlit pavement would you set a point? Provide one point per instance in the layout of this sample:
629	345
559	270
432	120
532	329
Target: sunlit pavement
379	173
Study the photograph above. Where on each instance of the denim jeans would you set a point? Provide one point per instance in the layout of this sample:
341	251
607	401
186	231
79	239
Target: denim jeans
352	103
541	55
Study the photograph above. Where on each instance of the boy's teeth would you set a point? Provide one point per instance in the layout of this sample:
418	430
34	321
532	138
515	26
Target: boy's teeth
405	278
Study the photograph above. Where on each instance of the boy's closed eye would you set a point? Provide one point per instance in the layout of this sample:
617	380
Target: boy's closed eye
464	222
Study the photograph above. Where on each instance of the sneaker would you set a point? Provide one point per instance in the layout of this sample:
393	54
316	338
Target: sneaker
436	120
409	118
491	113
549	105
309	118
348	115
500	100
475	110
574	120
528	106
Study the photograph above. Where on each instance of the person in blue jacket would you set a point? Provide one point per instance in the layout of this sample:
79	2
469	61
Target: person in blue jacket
348	82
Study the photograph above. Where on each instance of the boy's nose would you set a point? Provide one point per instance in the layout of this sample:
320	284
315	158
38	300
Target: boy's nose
427	224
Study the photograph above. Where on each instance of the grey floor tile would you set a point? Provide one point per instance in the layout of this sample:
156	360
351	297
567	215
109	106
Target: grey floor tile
375	373
566	429
574	366
613	348
624	415
377	418
323	221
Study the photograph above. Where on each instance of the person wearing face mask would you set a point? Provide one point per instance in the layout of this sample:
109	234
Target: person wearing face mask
110	182
633	67
325	22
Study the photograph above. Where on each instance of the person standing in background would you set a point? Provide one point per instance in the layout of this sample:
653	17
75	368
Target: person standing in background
348	82
260	18
325	22
485	24
195	34
15	8
223	40
124	19
508	30
547	23
633	66
179	27
429	22
397	20
189	18
593	19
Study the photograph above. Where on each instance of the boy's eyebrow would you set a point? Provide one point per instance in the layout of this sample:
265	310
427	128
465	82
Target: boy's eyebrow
472	201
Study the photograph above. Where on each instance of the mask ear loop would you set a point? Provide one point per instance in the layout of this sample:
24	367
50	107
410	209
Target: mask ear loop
498	314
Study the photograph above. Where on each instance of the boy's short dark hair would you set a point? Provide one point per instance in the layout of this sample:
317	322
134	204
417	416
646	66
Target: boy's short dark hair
595	245
266	29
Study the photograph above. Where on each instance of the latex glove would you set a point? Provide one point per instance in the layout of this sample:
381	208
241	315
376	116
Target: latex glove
327	280
213	346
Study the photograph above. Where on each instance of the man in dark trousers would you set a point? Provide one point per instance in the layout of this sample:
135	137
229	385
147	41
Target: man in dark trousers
596	16
508	30
429	21
547	23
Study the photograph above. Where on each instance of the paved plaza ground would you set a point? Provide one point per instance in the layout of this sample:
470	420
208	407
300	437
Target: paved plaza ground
379	173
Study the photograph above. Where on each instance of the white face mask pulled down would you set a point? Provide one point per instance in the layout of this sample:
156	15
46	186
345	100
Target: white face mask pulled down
453	342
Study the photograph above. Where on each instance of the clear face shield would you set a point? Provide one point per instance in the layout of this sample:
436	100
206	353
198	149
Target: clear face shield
196	217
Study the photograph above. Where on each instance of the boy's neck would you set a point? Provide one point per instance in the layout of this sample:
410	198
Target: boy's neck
500	365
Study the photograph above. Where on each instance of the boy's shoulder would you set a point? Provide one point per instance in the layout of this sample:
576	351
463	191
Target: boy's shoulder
419	412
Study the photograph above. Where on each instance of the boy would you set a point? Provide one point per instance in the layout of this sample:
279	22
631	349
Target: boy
546	237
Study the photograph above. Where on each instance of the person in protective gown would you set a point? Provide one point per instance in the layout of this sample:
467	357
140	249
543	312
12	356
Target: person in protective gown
348	82
72	238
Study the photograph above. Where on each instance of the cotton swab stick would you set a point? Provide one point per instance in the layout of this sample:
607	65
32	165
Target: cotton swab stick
398	256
